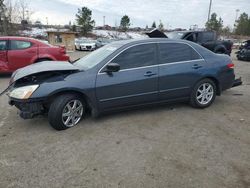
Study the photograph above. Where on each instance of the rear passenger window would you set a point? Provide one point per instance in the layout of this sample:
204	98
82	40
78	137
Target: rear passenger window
137	56
3	45
176	52
19	45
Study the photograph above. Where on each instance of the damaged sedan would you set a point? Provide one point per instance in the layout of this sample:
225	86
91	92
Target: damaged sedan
120	75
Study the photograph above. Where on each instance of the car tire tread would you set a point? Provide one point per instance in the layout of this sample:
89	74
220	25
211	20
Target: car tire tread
56	107
193	101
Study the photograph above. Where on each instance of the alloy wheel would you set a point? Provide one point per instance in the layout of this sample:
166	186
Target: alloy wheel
72	113
205	93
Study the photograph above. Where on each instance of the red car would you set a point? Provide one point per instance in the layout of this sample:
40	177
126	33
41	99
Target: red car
18	52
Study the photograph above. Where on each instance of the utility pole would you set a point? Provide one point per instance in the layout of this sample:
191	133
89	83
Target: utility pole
236	18
209	11
237	12
27	15
103	21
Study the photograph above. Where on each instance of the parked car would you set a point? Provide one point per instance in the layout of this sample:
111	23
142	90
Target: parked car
207	39
85	44
120	75
18	52
245	45
102	42
244	51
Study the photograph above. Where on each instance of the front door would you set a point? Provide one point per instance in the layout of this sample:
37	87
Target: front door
21	53
135	83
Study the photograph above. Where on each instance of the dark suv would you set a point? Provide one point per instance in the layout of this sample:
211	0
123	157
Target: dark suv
207	39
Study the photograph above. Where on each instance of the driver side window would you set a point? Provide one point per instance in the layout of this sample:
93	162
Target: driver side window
137	56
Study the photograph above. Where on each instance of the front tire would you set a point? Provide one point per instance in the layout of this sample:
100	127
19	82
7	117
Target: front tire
203	94
66	111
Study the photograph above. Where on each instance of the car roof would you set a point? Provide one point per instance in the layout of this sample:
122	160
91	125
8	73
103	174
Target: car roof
15	37
23	38
147	40
128	43
190	31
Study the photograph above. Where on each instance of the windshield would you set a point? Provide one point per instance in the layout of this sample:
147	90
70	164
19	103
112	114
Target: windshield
175	35
96	57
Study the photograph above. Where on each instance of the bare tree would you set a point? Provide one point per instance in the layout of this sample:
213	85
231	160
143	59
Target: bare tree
18	10
24	9
12	11
2	18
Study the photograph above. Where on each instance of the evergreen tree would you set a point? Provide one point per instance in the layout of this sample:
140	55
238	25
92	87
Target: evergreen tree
243	25
214	24
125	23
153	25
84	20
161	26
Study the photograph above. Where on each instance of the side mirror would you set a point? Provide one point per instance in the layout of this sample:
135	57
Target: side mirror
112	67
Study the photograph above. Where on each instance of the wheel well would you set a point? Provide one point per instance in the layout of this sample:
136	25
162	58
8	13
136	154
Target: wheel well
82	95
217	84
43	59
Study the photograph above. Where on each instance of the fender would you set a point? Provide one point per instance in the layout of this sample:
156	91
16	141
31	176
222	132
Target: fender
90	101
216	81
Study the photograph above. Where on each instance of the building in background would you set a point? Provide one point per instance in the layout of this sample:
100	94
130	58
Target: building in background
62	38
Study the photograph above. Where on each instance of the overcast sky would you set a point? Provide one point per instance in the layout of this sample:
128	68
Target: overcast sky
172	13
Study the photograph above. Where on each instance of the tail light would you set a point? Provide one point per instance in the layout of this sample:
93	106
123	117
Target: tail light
230	65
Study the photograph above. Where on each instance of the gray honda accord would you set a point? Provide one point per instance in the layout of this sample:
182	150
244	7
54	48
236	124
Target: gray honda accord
120	75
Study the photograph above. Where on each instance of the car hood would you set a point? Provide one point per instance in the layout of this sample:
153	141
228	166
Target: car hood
45	66
87	44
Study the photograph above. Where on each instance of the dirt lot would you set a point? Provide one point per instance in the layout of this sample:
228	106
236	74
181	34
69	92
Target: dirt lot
167	146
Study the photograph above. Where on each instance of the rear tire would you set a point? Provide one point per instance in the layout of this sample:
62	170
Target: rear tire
203	94
66	111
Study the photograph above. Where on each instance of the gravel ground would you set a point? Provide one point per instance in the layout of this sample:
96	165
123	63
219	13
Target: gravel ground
166	146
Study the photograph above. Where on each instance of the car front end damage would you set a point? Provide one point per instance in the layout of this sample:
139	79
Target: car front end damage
26	81
29	109
20	97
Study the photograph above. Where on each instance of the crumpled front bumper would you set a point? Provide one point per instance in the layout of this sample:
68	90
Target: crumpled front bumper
28	110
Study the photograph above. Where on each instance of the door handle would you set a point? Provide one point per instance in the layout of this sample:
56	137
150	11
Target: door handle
149	74
196	66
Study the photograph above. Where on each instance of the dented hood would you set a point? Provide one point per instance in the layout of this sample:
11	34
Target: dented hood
46	66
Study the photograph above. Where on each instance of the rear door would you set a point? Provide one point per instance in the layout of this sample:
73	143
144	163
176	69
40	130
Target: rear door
3	55
21	53
135	83
180	66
